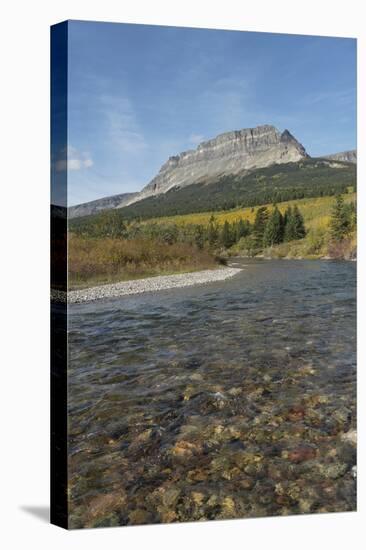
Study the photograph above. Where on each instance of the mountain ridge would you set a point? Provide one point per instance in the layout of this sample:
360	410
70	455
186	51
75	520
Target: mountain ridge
229	154
99	205
345	156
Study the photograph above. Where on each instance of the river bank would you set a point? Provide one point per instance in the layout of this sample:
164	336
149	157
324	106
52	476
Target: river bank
312	247
151	284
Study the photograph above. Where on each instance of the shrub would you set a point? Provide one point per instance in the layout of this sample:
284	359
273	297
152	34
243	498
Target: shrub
106	259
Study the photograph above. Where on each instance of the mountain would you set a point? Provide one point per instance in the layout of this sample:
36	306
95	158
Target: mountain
272	184
310	177
346	156
230	153
94	207
235	168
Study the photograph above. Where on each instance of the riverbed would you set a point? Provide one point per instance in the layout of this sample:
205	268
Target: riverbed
231	399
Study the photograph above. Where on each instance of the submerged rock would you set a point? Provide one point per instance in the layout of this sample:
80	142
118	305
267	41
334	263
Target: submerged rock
350	436
185	449
333	470
227	507
300	454
139	517
170	497
101	510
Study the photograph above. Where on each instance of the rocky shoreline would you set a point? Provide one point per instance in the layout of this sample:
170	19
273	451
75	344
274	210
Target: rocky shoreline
150	284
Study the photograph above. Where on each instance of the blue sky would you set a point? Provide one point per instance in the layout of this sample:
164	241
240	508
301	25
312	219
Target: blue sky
139	94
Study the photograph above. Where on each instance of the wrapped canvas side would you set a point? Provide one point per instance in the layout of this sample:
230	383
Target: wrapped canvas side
59	513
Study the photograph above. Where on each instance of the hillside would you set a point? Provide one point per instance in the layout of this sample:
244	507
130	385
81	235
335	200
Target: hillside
99	205
276	183
315	210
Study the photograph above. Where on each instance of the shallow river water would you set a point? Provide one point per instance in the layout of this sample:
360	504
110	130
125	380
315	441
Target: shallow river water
226	400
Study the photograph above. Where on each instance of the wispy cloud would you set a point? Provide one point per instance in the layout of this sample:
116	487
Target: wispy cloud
229	103
177	87
122	129
340	97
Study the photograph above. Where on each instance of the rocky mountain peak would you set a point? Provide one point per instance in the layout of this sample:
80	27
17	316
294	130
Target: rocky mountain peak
228	153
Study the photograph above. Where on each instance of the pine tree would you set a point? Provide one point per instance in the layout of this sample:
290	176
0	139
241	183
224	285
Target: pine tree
286	217
199	236
273	233
213	232
340	221
226	235
242	229
289	231
352	215
298	224
294	227
259	226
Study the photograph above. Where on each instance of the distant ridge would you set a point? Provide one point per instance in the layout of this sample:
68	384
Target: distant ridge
98	205
345	156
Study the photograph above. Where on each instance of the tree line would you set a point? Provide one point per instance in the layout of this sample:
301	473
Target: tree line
274	184
269	228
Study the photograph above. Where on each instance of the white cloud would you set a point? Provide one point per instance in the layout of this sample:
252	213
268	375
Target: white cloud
74	160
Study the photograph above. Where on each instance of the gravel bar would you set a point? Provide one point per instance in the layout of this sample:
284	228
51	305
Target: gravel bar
151	284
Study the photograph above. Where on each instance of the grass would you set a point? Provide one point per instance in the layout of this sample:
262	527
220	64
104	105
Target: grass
94	261
316	213
315	246
107	260
317	243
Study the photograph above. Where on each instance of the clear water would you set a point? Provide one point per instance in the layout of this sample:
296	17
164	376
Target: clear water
230	399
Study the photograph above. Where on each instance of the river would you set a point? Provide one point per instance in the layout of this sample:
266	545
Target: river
231	399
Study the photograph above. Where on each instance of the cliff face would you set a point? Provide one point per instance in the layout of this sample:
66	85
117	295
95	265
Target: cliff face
345	156
228	153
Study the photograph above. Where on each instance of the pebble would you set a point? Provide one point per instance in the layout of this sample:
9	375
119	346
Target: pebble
151	284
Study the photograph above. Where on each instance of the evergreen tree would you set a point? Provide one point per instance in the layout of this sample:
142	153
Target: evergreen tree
294	227
287	215
226	235
259	226
199	237
273	233
352	215
288	222
298	224
213	232
340	222
242	229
